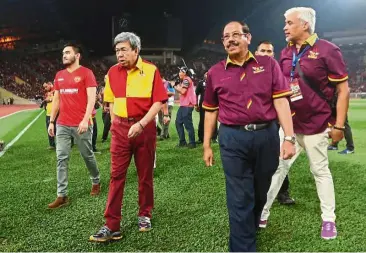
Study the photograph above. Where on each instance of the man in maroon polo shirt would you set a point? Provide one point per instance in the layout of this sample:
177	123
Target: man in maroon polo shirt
248	136
314	65
266	47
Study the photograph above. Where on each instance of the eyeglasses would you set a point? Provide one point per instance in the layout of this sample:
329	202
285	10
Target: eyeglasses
235	35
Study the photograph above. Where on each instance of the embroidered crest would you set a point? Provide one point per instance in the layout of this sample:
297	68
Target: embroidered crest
258	69
77	79
313	55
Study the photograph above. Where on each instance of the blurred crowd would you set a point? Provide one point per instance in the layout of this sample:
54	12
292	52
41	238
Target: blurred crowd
24	76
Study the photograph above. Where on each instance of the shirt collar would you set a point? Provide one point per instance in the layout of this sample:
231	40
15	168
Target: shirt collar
309	41
250	56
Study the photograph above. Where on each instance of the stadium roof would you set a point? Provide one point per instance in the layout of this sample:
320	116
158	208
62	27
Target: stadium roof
90	21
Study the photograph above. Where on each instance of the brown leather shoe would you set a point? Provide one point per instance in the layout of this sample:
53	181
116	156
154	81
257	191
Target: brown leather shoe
95	190
59	202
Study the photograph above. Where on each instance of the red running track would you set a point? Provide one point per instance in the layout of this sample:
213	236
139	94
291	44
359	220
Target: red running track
9	109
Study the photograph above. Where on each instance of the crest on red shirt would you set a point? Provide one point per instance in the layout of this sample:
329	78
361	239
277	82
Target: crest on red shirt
77	79
258	69
313	55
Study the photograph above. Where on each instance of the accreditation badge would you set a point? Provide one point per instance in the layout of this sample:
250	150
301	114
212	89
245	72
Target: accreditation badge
296	91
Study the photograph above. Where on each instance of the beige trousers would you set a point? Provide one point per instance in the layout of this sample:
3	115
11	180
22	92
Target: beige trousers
316	147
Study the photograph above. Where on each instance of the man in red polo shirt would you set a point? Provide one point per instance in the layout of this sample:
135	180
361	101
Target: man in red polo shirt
135	93
248	135
74	98
316	70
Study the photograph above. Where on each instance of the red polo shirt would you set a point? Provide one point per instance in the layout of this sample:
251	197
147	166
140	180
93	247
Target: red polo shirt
324	65
73	96
244	94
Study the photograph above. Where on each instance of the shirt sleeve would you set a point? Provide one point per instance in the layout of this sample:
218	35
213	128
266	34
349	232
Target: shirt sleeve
108	96
159	93
210	102
90	80
280	86
55	83
337	71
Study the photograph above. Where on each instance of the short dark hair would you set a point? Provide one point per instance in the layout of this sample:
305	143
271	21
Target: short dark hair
244	26
75	46
265	42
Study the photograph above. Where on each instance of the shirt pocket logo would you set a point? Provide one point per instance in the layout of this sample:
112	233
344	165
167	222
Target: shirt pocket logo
313	55
257	70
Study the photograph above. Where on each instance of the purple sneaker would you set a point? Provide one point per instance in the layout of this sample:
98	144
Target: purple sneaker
329	230
263	223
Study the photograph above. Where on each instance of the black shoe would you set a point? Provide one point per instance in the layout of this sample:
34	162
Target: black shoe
285	199
181	145
191	145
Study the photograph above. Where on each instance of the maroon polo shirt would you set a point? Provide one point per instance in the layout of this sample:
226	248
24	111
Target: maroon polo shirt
322	64
244	94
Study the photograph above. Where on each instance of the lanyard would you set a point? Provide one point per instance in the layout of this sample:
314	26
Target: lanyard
296	58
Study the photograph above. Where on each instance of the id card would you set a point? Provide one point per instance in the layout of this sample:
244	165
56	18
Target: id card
296	91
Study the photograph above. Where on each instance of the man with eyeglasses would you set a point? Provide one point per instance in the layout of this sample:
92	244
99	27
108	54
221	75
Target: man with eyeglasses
248	135
135	93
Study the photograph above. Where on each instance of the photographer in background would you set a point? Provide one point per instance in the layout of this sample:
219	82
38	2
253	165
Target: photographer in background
188	101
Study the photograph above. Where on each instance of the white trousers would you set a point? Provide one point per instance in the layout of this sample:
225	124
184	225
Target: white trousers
316	148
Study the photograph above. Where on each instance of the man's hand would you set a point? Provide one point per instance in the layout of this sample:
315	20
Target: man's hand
51	129
208	156
336	135
83	127
166	120
287	150
135	130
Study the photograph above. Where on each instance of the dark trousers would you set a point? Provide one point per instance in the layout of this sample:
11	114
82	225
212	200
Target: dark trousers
285	186
348	136
122	149
51	140
249	160
201	126
95	134
184	120
107	124
165	127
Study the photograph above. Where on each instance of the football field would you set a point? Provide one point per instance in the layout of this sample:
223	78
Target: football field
190	206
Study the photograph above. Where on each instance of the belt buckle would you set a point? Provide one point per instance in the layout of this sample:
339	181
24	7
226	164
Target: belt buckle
250	127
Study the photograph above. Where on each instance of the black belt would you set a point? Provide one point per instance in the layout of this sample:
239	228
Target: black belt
251	127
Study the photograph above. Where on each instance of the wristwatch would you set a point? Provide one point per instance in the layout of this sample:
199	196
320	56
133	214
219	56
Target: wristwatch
52	122
291	139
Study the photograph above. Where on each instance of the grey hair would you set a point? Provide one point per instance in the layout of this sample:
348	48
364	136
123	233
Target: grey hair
306	14
134	40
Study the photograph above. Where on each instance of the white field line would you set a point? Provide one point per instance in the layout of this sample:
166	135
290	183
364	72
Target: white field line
20	134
